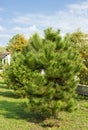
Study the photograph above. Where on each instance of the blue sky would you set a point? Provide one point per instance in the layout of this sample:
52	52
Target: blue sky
30	16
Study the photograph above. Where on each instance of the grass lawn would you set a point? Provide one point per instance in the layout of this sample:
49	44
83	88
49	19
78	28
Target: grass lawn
13	116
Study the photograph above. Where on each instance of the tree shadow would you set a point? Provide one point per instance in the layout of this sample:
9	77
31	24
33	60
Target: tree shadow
81	97
8	94
13	110
16	110
3	85
2	82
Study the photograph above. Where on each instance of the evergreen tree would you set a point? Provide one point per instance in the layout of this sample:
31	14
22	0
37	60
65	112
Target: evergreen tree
53	66
47	73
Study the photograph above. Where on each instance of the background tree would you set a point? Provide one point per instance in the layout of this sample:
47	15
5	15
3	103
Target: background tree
79	40
46	73
2	49
17	43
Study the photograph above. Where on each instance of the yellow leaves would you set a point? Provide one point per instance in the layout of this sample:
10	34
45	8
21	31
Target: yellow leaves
17	43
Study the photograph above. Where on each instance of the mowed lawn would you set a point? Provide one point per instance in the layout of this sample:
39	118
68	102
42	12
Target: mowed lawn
14	117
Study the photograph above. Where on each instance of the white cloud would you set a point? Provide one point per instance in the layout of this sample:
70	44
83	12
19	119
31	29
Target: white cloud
5	36
81	6
25	29
72	17
2	28
28	31
33	19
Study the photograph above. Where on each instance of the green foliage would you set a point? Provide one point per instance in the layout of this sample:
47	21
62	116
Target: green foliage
15	74
79	41
2	49
46	72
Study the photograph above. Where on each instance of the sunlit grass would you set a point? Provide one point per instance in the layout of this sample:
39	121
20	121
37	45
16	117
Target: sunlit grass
14	117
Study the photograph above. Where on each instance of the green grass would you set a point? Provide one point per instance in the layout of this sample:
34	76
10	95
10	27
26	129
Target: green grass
13	116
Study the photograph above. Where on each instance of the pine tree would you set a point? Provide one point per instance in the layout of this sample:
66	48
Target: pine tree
47	73
53	66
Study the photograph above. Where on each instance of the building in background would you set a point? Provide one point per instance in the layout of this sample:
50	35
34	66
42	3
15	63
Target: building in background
5	58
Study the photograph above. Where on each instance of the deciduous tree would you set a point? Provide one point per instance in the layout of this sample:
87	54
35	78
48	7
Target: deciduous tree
79	41
17	43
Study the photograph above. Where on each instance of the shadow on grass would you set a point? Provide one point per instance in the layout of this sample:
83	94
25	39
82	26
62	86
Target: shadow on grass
13	110
2	82
3	85
16	109
81	97
8	94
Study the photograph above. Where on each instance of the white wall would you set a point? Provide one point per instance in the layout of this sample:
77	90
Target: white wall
6	59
